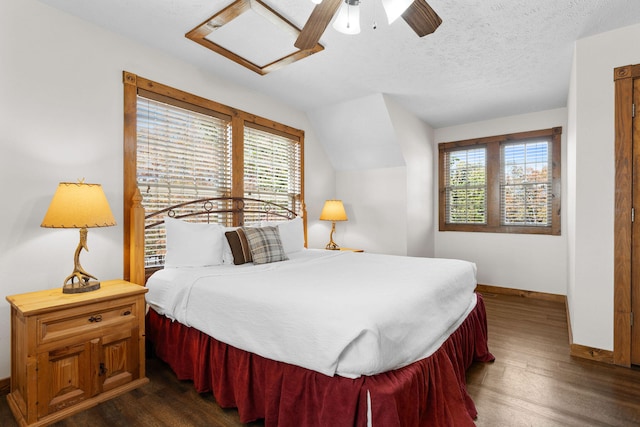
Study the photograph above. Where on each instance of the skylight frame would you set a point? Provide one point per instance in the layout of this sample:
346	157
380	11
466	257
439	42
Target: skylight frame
234	10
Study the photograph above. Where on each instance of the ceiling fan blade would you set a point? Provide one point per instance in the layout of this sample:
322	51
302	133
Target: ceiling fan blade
317	23
421	18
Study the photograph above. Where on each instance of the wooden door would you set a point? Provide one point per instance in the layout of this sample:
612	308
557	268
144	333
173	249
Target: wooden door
626	349
635	246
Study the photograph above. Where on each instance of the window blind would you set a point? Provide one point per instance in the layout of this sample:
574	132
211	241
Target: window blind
272	168
526	183
466	186
182	155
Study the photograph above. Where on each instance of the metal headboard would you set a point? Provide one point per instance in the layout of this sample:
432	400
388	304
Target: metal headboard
228	211
207	207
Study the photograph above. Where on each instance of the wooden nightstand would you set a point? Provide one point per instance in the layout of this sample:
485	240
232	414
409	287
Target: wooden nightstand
70	352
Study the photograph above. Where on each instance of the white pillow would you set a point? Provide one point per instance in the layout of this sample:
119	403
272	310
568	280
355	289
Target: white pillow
291	234
192	244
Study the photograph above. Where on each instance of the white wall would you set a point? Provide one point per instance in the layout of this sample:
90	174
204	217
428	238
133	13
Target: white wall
591	247
376	204
570	174
358	133
416	141
520	261
61	119
390	209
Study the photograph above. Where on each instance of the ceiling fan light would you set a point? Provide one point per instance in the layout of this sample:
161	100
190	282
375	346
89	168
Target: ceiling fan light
348	19
395	8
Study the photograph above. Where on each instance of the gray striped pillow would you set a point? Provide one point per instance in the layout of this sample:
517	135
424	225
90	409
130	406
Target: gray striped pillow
265	244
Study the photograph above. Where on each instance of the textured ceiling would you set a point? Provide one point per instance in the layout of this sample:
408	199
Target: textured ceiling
489	58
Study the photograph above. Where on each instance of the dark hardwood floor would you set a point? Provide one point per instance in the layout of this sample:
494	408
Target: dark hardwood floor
533	382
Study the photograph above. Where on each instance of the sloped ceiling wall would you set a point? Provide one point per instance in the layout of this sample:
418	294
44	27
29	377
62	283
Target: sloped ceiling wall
358	134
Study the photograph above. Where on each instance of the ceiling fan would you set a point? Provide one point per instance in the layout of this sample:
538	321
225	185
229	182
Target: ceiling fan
417	13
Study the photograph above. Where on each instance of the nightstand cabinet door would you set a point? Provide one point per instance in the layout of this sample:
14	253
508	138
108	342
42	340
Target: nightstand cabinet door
72	351
63	378
119	358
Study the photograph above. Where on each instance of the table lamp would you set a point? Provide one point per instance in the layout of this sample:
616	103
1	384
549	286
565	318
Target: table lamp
79	205
333	210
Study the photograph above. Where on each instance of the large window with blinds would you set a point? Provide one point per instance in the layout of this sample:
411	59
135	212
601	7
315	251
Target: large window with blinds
269	160
187	148
182	155
505	183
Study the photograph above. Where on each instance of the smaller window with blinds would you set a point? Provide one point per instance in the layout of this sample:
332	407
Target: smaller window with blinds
504	184
466	186
525	183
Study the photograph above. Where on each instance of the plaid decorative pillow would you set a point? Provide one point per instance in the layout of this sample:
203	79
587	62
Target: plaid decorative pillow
239	246
265	244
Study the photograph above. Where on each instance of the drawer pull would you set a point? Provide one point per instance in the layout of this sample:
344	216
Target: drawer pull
97	318
126	313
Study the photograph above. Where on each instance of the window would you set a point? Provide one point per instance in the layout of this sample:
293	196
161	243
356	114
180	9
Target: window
525	183
182	155
505	184
466	186
180	147
269	160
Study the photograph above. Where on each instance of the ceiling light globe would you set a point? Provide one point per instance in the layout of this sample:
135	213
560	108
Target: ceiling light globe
348	19
395	8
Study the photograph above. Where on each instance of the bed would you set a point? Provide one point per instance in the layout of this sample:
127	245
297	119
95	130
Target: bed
313	337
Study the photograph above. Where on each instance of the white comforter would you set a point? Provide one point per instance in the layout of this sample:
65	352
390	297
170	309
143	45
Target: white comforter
334	312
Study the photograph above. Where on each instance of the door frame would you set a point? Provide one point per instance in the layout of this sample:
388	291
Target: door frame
623	78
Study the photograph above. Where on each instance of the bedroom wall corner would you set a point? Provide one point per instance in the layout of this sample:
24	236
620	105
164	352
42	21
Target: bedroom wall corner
416	138
390	208
570	173
319	185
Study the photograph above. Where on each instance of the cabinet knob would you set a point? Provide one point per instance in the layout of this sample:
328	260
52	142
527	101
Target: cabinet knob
126	313
97	318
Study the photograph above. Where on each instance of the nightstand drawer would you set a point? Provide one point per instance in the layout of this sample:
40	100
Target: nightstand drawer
71	323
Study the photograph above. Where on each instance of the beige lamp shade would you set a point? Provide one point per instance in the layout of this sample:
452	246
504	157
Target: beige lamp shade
333	210
78	205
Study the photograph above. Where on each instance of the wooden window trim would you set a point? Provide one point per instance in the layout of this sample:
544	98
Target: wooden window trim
134	84
199	35
493	144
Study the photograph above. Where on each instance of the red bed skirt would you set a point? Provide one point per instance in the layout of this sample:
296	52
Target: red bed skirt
429	392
